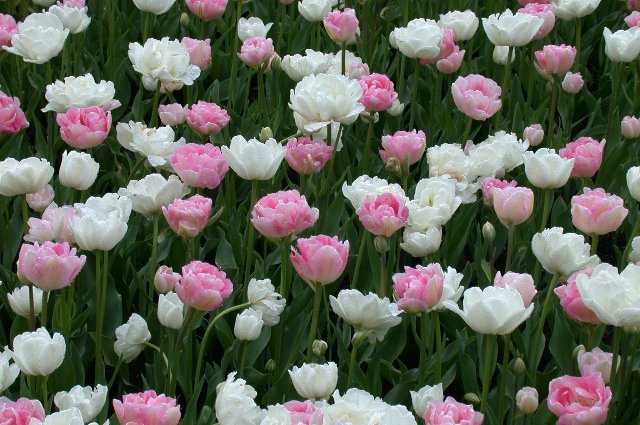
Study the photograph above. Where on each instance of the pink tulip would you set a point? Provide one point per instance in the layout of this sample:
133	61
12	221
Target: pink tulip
199	51
595	361
572	82
452	63
73	3
84	128
630	127
256	51
173	114
633	20
49	266
476	96
587	153
579	400
147	408
12	118
207	10
404	146
39	201
283	214
320	259
20	412
383	215
342	26
304	412
307	156
203	287
451	412
8	28
534	134
207	118
188	217
165	279
418	289
596	212
199	165
54	225
555	59
513	205
378	92
491	183
447	47
571	300
541	10
521	282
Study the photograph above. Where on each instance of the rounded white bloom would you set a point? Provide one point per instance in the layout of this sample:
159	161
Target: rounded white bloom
498	154
421	398
509	29
78	170
315	10
449	159
463	24
29	175
40	38
562	253
252	27
420	39
368	314
19	301
165	61
434	203
71	416
157	7
248	325
87	400
451	289
546	169
634	255
276	415
571	9
315	381
622	45
358	407
420	243
318	100
263	298
156	144
614	297
252	159
492	310
170	310
633	182
38	353
299	66
100	223
75	19
501	53
365	186
131	337
235	402
8	371
149	194
80	92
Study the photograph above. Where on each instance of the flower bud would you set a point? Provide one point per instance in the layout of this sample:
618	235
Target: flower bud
472	398
527	400
519	366
393	166
534	134
19	301
270	366
184	19
630	127
165	279
396	108
572	82
248	325
319	347
381	244
578	350
265	134
488	232
170	310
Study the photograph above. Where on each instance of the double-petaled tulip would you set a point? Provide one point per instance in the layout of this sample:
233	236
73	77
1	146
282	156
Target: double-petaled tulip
463	24
630	127
29	175
633	182
450	411
571	300
199	52
420	399
596	212
434	202
420	39
73	18
157	7
172	115
534	134
365	186
207	10
100	223
54	225
597	362
544	11
315	10
149	194
521	282
263	298
21	411
633	19
200	165
491	183
546	169
170	310
8	28
562	253
84	128
131	338
579	400
147	408
572	82
476	96
378	93
513	205
20	303
155	144
307	156
587	153
342	26
39	39
12	117
80	92
320	260
207	118
248	325
283	214
89	401
49	266
165	279
203	286
315	381
420	243
188	217
235	402
418	289
257	52
298	66
78	170
252	159
622	45
40	200
407	147
572	9
8	371
509	29
38	353
384	214
555	59
252	27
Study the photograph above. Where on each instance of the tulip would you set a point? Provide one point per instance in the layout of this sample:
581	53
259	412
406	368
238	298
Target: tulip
320	260
157	7
78	170
488	232
420	39
38	353
298	66
630	127
49	266
12	117
87	400
633	182
165	279
378	93
572	9
170	310
527	400
595	361
447	65
199	52
252	27
596	212
435	201
576	400
421	243
188	217
555	59
200	165
418	289
100	223
172	115
384	214
544	11
75	19
546	169
303	412
153	192
534	134
8	371
421	399
20	303
521	282
622	45
476	96
365	186
253	160
40	200
315	381
571	300
29	175
342	26
283	214
39	39
513	205
450	411
307	156
464	24
203	286
156	144
84	128
8	28
21	411
501	55
315	10
405	146
248	325
55	225
131	338
264	299
207	118
63	417
572	82
359	406
257	52
562	253
633	19
207	10
235	402
491	183
513	30
80	92
633	4
147	408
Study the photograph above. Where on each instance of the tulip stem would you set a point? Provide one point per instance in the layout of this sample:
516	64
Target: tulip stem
414	97
32	312
467	130
25	213
102	273
439	345
154	253
317	300
355	344
617	361
420	344
154	106
243	356
249	242
506	79
578	41
366	148
344	58
45	310
503	372
547	304
594	244
364	236
547	202
382	290
45	393
284	262
234	56
488	342
552	114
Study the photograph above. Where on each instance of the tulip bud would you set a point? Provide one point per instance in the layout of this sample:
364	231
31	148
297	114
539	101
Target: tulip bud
572	82
501	53
630	127
488	232
319	347
534	134
265	134
519	366
381	244
578	350
396	108
393	165
170	310
165	279
472	398
527	400
270	366
248	325
184	19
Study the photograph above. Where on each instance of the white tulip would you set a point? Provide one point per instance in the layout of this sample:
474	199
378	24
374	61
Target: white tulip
622	45
421	398
501	53
420	243
252	27
633	182
492	310
509	29
156	144
235	402
634	255
71	416
546	169
131	337
498	154
149	194
315	10
420	39
170	310
252	159
571	9
435	201
279	415
368	314
299	66
78	170
38	353
358	407
100	223
8	371
315	381
29	175
165	61
248	325
263	298
88	401
55	225
365	186
80	92
319	100
157	7
39	39
451	289
75	19
463	24
562	253
19	301
448	159
614	297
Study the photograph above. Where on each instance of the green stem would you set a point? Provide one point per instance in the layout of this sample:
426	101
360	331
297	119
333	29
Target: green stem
45	308
250	231
503	379
344	58
414	95
317	300
506	78
243	356
154	106
547	304
421	347
364	236
25	213
261	93
382	289
355	344
154	250
467	130
511	230
98	354
45	393
366	148
552	114
439	345
594	244
547	202
234	55
488	341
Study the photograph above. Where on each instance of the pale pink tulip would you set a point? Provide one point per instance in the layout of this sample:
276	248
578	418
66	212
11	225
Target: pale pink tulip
147	408
165	279
12	118
555	59
418	289
491	183
320	259
304	412
587	153
521	282
207	118
54	225
378	92
207	10
571	300
307	156
39	201
534	134
283	214
596	212
633	4
383	215
203	286
541	10
8	27
447	47
630	127
199	51
513	205
199	165
572	82
188	217
595	361
49	266
84	128
404	146
579	400
173	114
452	63
20	412
73	3
633	20
342	26
451	412
256	51
476	96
